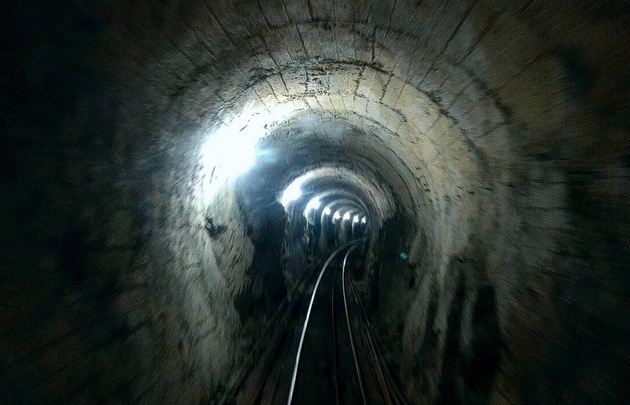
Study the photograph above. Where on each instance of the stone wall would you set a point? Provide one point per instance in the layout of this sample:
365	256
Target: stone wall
125	250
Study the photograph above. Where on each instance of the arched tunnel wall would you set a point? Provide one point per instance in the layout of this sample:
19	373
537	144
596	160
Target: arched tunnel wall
499	130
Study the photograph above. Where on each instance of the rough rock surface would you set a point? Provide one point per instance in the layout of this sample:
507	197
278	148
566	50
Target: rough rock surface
488	139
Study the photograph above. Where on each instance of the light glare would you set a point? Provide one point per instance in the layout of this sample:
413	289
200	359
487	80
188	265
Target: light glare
234	153
231	148
290	194
314	204
293	191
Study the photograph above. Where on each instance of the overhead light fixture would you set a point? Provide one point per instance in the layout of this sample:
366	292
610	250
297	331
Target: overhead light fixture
314	204
232	147
233	153
293	191
290	194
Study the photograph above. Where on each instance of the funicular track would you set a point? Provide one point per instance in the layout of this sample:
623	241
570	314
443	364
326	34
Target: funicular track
329	355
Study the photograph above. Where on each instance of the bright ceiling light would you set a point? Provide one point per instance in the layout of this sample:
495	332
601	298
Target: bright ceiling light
356	219
231	148
364	220
337	215
290	194
233	153
327	211
314	204
293	191
346	216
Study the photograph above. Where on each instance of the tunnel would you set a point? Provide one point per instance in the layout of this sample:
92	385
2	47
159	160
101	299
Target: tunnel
175	174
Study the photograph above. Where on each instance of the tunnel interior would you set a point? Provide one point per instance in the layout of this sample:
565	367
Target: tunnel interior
174	175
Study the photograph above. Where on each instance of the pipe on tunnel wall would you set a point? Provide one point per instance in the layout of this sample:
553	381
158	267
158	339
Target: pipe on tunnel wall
491	137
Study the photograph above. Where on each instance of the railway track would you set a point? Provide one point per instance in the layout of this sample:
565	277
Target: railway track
329	355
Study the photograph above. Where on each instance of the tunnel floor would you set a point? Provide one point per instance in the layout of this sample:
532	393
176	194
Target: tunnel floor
327	371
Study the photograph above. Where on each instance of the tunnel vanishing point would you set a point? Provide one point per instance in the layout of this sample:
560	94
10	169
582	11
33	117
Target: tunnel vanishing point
173	174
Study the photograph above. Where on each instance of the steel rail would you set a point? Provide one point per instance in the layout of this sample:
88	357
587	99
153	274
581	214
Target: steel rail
336	368
308	315
345	305
392	394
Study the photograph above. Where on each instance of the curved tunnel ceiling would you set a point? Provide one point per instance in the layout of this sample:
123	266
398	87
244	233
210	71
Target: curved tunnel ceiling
149	146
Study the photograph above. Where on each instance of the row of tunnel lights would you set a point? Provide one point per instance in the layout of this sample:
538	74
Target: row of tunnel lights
293	192
315	204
